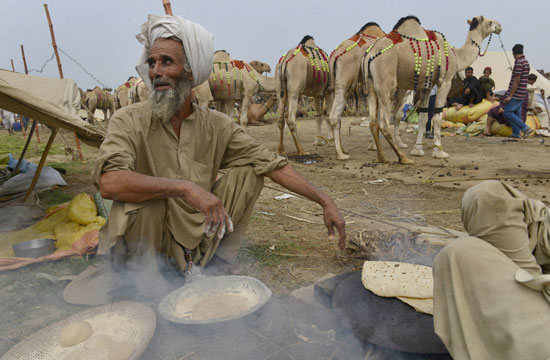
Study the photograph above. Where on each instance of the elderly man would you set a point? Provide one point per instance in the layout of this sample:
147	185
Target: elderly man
160	161
491	299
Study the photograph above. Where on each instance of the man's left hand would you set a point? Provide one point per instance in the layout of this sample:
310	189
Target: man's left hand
333	219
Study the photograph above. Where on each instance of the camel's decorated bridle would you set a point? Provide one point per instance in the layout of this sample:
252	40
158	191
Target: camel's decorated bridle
479	46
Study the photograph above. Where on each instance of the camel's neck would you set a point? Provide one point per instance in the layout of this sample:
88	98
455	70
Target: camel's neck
468	53
268	83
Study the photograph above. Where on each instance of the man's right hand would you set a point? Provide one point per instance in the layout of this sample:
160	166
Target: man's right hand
215	215
506	100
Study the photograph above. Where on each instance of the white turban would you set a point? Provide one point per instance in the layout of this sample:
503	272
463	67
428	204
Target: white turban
197	43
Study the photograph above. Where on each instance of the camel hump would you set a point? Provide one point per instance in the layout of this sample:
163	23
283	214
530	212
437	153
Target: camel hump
405	19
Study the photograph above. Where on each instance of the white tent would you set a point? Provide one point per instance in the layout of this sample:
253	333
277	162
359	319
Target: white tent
53	102
502	71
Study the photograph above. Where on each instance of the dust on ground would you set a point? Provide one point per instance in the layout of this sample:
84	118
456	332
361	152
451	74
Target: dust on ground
287	244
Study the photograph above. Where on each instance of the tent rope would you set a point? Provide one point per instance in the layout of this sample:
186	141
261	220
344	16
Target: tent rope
503	49
81	67
43	66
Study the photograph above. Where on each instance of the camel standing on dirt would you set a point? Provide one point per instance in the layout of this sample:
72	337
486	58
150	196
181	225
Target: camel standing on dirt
345	64
122	93
100	99
233	80
256	112
412	58
303	70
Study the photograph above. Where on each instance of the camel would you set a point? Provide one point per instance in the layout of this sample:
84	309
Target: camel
233	80
122	93
139	91
100	99
412	58
256	112
303	70
345	64
260	67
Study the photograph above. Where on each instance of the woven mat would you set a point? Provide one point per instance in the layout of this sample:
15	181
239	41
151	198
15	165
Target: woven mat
122	321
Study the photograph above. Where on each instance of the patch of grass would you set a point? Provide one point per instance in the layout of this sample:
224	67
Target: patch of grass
74	167
53	197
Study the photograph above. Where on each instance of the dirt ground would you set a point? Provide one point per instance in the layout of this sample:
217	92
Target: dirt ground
287	245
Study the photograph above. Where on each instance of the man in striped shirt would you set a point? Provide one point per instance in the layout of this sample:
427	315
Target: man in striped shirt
517	94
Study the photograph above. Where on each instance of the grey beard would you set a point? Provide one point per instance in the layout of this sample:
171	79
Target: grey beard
165	104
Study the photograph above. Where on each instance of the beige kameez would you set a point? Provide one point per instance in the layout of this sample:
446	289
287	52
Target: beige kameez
209	141
480	310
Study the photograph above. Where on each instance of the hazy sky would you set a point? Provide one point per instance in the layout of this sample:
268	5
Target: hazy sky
100	34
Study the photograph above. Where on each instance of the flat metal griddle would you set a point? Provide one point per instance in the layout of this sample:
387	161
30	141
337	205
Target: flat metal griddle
386	322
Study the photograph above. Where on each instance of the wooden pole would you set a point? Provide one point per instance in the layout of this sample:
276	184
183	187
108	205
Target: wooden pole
17	115
167	7
33	126
34	122
54	130
54	44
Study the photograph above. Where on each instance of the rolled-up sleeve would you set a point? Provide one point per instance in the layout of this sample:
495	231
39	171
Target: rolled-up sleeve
243	150
118	150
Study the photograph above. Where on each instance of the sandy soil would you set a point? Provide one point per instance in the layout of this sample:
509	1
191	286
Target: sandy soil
287	245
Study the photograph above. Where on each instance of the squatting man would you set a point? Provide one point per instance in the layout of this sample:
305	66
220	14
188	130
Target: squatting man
160	161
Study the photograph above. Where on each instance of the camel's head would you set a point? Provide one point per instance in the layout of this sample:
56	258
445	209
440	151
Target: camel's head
485	26
260	67
308	41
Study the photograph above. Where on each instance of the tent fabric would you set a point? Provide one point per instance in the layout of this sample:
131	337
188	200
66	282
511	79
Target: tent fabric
502	71
53	102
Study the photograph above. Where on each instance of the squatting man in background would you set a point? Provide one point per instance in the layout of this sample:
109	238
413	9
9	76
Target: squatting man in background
160	160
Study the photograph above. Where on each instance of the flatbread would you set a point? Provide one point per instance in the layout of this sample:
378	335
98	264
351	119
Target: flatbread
396	279
425	306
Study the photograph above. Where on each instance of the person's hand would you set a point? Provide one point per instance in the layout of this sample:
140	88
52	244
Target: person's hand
506	99
215	215
467	91
333	218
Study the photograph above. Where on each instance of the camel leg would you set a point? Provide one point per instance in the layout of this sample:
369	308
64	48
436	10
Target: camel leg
400	98
375	130
244	112
422	120
335	122
373	117
319	139
281	124
385	114
440	99
291	122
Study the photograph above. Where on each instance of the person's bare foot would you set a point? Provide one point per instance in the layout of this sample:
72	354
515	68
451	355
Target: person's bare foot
459	106
486	134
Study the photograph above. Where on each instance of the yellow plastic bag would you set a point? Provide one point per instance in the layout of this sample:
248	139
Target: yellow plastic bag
504	130
468	114
57	225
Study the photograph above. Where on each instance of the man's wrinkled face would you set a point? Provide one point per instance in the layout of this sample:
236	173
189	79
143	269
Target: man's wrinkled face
171	83
469	73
